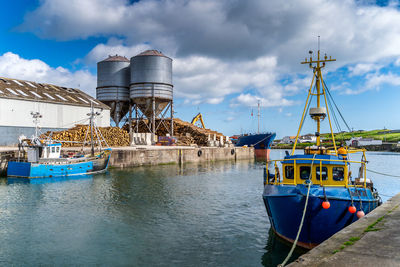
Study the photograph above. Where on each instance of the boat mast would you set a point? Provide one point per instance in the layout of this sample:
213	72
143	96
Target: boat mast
36	116
318	113
91	128
258	115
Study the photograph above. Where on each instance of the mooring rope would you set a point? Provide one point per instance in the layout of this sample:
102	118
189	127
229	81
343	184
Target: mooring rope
385	174
302	218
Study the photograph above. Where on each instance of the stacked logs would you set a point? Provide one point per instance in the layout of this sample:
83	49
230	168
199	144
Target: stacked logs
114	136
186	133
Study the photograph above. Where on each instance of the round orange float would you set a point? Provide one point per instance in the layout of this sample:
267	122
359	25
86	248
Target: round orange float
352	209
326	204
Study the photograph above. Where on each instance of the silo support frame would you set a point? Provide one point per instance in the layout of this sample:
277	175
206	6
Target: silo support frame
172	118
130	124
154	123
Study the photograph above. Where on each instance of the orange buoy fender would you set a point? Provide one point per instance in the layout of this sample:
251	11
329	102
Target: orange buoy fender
352	209
360	214
326	205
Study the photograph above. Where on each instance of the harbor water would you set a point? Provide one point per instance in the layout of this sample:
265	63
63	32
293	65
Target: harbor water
168	215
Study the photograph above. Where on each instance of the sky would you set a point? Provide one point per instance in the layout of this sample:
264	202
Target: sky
227	54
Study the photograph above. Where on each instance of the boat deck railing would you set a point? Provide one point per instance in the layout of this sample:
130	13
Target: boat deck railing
346	182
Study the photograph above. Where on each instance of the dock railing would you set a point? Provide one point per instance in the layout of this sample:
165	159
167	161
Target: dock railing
278	180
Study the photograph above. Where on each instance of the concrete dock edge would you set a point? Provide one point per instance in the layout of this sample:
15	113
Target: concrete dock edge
131	157
373	240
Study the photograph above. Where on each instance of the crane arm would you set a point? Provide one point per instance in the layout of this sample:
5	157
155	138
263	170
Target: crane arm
196	118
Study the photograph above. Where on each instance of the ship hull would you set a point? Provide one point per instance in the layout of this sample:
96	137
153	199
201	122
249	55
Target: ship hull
285	205
261	143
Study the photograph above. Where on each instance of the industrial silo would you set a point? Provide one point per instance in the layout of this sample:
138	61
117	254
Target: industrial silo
113	77
151	89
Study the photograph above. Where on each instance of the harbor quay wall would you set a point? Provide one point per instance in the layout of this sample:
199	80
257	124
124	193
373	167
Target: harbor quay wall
122	157
373	240
131	157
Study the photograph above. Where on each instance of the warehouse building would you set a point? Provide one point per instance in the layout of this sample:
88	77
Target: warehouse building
60	108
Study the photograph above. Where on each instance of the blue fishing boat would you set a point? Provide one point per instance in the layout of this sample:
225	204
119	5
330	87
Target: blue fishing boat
315	195
43	159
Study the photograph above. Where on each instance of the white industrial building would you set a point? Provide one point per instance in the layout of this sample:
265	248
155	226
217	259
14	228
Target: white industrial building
359	141
60	107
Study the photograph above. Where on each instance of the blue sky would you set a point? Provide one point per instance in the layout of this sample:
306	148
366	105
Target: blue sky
227	54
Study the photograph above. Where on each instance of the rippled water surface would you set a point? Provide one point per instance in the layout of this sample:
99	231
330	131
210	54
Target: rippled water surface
196	215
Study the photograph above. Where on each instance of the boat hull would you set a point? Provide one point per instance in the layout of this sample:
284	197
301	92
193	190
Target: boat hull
261	143
44	170
285	205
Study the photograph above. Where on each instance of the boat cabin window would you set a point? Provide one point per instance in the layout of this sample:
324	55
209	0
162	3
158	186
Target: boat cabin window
289	172
305	172
51	151
324	173
338	173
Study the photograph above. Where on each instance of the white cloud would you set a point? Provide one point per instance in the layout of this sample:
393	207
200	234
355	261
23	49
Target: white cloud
376	80
252	100
229	47
350	30
210	80
363	68
13	66
112	47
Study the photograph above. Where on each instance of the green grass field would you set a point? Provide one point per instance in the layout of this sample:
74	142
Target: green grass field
375	134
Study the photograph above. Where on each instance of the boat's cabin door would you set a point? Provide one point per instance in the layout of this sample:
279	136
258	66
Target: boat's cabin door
51	151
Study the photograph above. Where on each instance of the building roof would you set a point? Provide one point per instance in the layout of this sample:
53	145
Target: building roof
43	92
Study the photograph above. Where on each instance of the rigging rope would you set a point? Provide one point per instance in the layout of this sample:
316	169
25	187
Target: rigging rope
302	218
385	174
308	107
329	93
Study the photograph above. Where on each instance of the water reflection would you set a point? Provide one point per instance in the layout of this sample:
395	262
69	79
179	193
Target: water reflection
208	214
46	180
277	250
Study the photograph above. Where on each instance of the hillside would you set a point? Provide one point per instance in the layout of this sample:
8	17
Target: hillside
384	135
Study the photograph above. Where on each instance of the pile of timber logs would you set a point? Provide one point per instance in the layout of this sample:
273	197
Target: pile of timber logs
114	136
185	132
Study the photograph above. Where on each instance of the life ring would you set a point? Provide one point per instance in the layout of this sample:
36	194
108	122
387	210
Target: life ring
232	151
199	153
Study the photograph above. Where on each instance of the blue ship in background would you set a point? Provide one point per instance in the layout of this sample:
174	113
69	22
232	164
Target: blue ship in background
311	196
261	143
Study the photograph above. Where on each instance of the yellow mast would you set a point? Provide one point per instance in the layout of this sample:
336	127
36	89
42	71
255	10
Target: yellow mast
318	114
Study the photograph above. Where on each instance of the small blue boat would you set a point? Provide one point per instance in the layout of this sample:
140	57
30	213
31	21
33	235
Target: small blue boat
55	165
43	159
314	195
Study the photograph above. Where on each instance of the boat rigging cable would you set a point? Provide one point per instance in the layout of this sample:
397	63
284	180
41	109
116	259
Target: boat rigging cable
385	174
330	100
308	107
302	218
